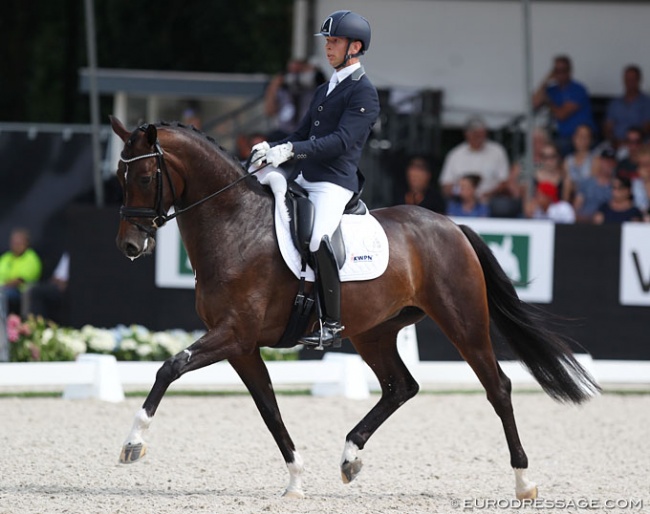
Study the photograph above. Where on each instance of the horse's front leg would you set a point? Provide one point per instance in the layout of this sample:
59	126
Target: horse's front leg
216	345
378	348
254	374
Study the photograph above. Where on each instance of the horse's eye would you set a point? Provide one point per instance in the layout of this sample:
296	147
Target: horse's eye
145	180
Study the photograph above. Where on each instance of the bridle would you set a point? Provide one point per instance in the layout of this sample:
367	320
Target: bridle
158	214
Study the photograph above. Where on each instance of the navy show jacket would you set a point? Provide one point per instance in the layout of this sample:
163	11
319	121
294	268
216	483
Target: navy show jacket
329	140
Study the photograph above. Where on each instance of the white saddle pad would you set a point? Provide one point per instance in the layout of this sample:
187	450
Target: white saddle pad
366	244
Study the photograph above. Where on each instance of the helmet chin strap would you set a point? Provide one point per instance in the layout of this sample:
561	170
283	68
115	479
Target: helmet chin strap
347	57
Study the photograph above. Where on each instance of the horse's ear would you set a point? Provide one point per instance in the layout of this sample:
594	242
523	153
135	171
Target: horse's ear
119	129
152	134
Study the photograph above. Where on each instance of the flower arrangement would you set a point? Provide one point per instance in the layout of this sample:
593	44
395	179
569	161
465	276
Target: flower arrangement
38	339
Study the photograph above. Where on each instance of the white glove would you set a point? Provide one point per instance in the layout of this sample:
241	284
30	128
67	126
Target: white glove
259	151
279	154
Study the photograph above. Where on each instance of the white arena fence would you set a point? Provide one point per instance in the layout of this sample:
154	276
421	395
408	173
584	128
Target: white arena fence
104	378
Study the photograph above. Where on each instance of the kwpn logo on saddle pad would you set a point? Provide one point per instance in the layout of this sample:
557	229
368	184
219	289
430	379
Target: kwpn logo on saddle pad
524	249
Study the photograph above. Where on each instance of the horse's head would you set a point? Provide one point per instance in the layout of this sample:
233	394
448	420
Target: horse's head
148	188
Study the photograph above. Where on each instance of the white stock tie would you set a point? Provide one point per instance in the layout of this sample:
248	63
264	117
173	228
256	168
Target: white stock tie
333	82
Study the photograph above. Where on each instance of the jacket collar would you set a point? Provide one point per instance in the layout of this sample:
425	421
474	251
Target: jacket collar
344	84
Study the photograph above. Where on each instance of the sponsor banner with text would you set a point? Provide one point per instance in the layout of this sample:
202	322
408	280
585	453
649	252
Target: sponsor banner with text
635	264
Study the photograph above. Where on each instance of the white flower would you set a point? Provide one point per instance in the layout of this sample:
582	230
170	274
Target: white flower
73	342
168	342
143	350
100	340
47	334
141	333
128	344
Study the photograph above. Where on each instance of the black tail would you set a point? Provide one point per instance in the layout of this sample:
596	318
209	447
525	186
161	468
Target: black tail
544	352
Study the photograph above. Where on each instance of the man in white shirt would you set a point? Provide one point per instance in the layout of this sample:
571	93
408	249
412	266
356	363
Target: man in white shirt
477	155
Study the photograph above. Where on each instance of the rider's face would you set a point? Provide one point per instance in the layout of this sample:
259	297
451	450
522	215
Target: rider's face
335	49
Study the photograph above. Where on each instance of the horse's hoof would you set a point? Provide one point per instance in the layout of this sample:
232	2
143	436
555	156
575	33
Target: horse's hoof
132	452
529	494
350	470
293	495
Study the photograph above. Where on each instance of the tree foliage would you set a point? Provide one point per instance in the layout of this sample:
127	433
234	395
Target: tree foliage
45	45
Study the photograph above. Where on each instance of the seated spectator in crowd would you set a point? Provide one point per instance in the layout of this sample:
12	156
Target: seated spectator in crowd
477	155
627	166
596	190
46	298
578	165
547	205
621	206
518	181
420	188
467	203
552	171
567	100
641	184
19	267
632	109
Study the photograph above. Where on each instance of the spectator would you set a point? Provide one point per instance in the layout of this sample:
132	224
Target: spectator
578	165
567	100
287	97
467	202
620	207
632	109
641	184
540	140
19	267
478	155
46	298
595	190
628	166
191	115
552	171
420	188
546	204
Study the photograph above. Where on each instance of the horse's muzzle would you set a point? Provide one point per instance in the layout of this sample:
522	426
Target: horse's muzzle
134	247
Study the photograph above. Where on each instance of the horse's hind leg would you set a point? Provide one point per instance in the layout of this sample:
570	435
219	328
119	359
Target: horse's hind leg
471	336
378	347
254	374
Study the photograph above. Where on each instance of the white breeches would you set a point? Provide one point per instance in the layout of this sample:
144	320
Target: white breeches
329	202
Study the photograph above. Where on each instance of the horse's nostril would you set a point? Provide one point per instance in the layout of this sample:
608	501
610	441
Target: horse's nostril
131	250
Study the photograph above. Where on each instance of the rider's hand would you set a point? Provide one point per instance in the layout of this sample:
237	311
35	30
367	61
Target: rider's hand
259	152
279	154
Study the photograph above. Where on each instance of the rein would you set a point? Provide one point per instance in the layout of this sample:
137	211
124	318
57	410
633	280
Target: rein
158	215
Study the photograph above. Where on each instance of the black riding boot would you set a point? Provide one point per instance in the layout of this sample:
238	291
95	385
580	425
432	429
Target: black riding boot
329	298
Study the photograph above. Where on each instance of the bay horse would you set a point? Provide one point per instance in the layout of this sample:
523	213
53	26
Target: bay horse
244	292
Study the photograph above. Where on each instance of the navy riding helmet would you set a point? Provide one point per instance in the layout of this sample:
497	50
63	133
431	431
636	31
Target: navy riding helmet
347	24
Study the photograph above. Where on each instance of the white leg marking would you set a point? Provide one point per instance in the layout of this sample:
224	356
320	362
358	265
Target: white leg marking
349	452
296	469
140	425
524	488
